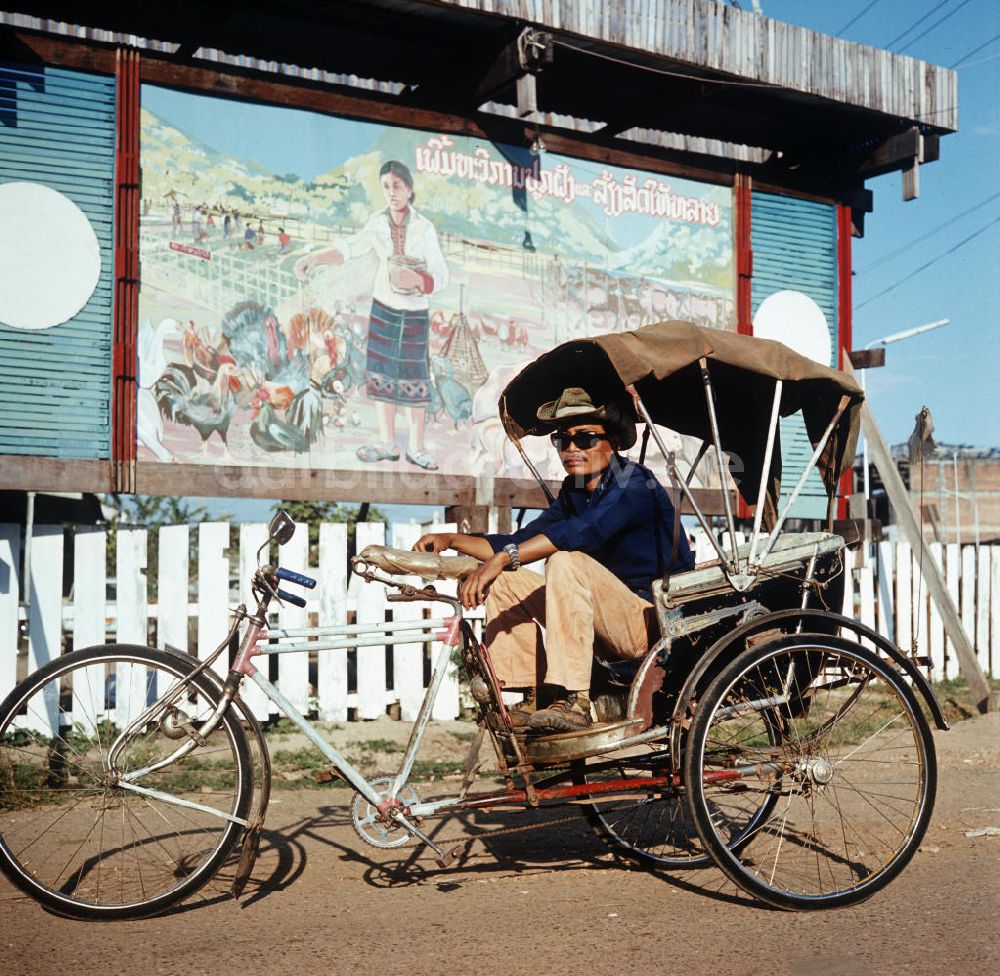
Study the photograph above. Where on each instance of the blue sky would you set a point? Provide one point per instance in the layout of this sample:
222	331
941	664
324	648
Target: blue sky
955	370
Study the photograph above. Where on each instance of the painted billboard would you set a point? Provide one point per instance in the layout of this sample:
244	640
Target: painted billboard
336	294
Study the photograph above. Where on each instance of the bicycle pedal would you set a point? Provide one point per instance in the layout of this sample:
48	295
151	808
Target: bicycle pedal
326	775
447	858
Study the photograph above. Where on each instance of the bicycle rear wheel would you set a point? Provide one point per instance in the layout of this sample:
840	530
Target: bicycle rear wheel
852	773
70	834
648	824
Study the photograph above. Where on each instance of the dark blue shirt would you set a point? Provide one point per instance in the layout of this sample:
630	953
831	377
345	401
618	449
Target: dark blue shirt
626	524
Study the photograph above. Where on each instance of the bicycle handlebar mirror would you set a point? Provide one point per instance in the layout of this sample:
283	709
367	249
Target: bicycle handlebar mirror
282	528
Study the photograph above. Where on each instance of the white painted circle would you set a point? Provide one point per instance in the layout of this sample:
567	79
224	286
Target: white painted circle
797	321
50	259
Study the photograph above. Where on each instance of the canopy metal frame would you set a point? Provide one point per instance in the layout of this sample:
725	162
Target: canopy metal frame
741	569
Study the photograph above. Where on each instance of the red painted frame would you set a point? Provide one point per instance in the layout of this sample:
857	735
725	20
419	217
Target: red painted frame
126	256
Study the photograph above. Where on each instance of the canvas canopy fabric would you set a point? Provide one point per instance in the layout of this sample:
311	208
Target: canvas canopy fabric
662	362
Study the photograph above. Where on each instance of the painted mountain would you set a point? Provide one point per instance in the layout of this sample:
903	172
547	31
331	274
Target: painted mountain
176	166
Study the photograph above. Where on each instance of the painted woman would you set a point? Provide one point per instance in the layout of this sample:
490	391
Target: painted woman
410	268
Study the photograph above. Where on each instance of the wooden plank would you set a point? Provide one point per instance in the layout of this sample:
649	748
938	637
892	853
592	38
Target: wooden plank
89	597
866	586
331	665
904	597
10	595
213	591
994	668
886	580
408	659
967	572
132	623
983	648
848	609
293	669
45	613
172	589
371	605
20	473
936	627
252	537
953	572
446	705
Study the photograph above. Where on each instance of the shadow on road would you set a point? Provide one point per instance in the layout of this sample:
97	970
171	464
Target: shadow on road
488	844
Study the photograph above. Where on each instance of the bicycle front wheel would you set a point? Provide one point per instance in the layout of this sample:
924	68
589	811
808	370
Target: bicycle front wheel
75	838
835	738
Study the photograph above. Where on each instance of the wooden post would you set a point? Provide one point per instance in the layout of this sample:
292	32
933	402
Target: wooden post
910	526
89	593
213	591
371	610
10	589
331	665
293	669
252	536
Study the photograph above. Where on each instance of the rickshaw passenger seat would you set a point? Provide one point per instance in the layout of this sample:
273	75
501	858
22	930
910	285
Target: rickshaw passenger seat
791	551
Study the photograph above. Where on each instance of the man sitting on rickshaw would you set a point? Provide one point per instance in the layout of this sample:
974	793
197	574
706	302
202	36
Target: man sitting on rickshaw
607	535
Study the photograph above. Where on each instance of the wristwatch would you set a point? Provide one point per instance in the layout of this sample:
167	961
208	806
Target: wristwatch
515	558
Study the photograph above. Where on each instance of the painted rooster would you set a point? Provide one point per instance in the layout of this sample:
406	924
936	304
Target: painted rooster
300	427
185	398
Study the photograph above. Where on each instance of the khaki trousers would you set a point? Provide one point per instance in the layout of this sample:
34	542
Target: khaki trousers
582	609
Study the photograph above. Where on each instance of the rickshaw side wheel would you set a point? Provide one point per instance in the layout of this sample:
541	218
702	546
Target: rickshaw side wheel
650	827
851	777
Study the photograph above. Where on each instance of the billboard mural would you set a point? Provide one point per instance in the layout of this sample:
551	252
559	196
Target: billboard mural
328	293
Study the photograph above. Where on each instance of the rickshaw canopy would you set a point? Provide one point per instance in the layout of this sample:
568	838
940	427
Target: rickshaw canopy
662	363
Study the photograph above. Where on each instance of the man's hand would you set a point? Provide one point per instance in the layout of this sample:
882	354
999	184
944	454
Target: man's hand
434	542
475	586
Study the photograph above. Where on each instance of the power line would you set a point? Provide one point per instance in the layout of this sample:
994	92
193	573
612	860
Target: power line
930	13
972	64
975	50
924	267
906	247
937	23
855	19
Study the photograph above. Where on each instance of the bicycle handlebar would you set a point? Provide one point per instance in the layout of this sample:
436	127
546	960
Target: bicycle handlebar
291	577
292	598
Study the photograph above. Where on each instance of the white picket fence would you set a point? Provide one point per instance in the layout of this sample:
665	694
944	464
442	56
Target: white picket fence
195	618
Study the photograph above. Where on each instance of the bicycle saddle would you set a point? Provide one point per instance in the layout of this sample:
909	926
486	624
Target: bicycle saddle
427	565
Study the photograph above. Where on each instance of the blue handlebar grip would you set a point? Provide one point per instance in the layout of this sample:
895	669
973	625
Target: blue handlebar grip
292	598
289	577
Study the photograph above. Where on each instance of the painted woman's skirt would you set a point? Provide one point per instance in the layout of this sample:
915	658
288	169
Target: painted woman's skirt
397	367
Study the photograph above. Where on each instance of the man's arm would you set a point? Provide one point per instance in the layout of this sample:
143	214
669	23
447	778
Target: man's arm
472	592
470	545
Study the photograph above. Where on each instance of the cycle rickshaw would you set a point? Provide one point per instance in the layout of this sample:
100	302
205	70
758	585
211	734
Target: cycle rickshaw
764	731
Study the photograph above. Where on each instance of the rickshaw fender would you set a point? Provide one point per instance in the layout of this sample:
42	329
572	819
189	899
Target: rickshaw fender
727	647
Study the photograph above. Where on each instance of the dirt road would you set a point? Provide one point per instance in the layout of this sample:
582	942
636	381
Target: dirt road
544	896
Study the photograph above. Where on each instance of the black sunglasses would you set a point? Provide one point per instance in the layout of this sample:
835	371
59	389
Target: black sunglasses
586	440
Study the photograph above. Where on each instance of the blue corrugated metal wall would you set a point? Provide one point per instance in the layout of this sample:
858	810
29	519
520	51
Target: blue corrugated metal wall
795	247
57	127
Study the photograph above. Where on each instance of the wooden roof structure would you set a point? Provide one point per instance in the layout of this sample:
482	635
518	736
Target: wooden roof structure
684	79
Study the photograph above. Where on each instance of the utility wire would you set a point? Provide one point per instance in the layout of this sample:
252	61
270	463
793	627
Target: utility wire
906	247
975	50
972	64
924	267
855	19
937	23
930	13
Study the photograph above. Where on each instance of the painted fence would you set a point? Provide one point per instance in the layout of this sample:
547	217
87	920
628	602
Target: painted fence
191	611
